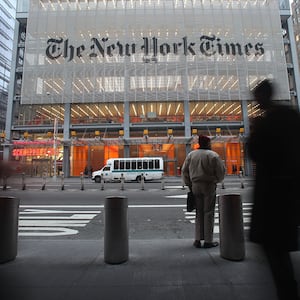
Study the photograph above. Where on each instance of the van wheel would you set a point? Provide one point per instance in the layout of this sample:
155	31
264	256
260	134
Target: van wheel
139	179
98	179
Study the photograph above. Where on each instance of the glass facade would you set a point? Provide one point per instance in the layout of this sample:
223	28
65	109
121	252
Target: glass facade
96	51
7	24
104	79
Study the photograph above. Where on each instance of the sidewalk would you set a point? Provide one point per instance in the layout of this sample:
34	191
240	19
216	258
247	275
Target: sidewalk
16	180
157	269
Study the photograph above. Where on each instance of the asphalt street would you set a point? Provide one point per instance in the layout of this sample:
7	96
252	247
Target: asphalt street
154	210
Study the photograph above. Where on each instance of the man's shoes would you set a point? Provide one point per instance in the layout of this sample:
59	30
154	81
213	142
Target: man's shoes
197	244
210	245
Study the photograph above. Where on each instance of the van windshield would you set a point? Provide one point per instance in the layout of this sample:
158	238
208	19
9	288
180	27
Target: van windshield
106	168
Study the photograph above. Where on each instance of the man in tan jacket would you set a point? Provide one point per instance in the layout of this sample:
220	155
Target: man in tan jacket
201	171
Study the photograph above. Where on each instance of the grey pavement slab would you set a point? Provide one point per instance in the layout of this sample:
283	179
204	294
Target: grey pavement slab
156	269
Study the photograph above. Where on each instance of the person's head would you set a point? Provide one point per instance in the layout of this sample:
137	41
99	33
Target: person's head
263	93
204	142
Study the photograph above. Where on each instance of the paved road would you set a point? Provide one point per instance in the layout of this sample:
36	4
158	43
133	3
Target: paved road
79	214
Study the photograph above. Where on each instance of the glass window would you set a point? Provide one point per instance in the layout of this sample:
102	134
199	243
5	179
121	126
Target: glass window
122	163
127	165
157	164
133	165
151	164
145	165
116	164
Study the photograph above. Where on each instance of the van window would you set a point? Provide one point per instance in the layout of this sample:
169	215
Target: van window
106	169
127	165
122	165
145	165
139	163
151	164
133	165
116	164
157	164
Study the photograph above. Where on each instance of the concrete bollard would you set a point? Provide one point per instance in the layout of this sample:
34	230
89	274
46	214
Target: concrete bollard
242	179
122	182
9	216
23	182
142	182
4	183
232	244
62	181
163	182
44	182
116	230
102	182
81	181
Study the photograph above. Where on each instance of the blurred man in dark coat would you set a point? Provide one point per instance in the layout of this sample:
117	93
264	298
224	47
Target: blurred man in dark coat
274	146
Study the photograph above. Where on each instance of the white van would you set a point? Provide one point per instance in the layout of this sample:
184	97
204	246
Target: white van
132	169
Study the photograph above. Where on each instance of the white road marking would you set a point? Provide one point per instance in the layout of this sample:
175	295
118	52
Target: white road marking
33	222
46	231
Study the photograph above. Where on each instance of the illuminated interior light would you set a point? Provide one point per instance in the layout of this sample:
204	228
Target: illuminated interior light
134	109
108	110
79	90
169	109
228	108
91	84
211	108
57	112
151	107
219	108
143	109
235	82
75	112
195	107
203	108
84	86
194	81
177	108
101	112
160	109
88	108
117	110
238	107
254	112
83	111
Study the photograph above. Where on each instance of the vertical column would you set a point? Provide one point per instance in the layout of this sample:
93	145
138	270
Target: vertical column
294	55
126	118
126	128
248	169
187	121
67	145
10	100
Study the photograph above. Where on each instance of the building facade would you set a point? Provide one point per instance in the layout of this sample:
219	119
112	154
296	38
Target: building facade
98	79
7	23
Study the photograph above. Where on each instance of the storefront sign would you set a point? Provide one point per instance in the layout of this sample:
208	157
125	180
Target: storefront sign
207	46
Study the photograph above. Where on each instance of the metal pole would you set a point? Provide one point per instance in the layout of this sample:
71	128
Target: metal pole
143	181
122	182
81	180
102	182
44	182
62	181
4	182
23	182
163	182
242	179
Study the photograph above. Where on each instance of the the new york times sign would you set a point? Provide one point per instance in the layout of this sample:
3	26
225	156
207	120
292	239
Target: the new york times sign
207	45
